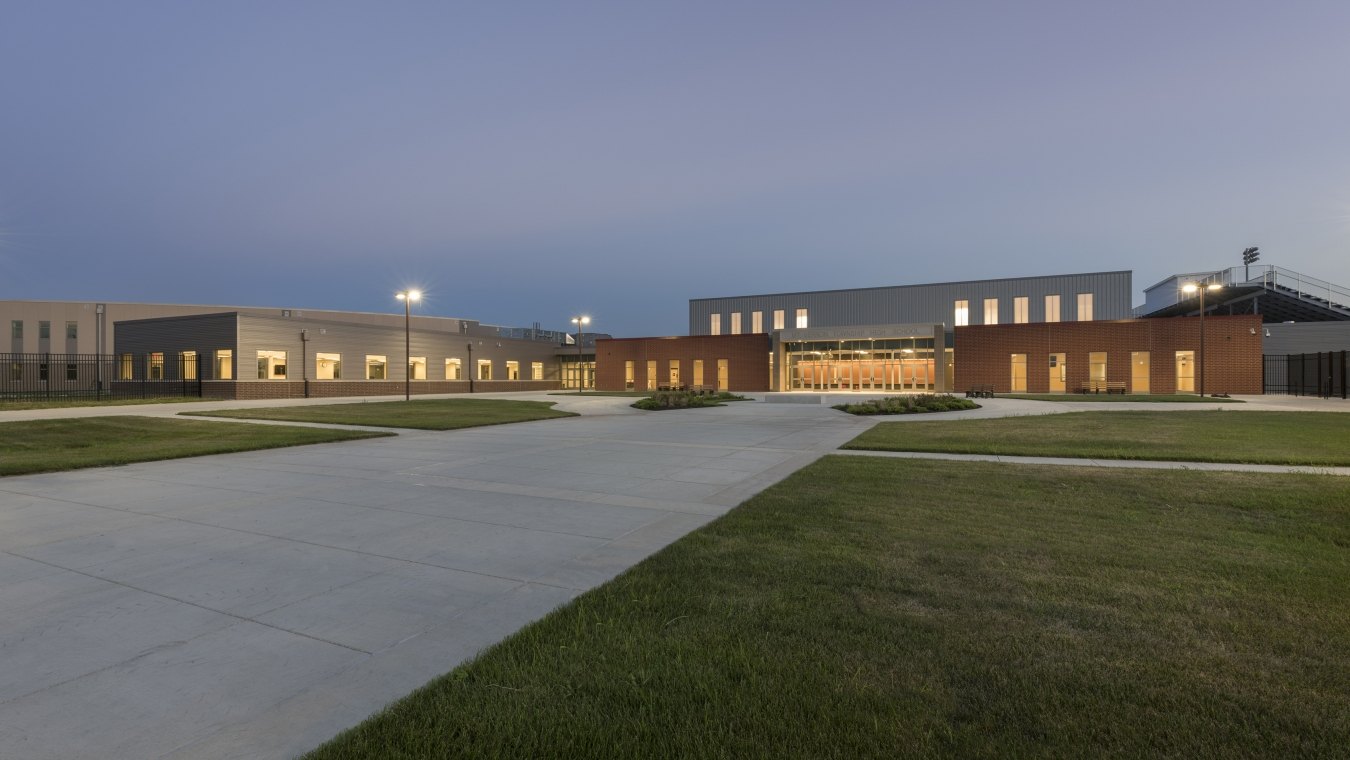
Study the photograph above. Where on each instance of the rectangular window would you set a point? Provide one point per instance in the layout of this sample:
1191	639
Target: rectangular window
991	311
484	369
1019	373
961	313
1139	372
224	364
72	330
417	368
778	319
453	370
1052	308
16	371
1084	307
377	367
536	370
801	318
628	379
715	325
44	330
124	368
1097	366
698	372
735	323
651	376
1021	310
154	366
187	362
271	365
328	366
73	372
756	322
674	373
16	329
513	370
1185	372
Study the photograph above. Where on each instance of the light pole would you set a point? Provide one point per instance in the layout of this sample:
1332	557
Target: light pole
581	323
1193	287
471	369
407	297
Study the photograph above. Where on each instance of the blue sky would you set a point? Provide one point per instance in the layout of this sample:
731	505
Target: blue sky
526	162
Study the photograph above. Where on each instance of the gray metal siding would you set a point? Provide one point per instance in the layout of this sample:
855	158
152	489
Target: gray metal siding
1306	338
922	303
203	333
355	341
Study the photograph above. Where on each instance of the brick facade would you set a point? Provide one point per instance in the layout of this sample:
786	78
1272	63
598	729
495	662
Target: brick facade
747	360
258	389
1231	364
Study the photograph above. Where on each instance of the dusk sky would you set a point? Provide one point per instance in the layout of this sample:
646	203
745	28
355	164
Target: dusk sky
525	162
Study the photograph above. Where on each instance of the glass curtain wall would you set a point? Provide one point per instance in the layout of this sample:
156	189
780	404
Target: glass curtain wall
891	364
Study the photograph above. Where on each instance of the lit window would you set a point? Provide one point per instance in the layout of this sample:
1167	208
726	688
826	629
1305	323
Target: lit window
271	365
1019	373
801	318
154	366
674	372
417	368
651	375
715	325
72	330
1084	307
328	366
991	311
44	330
698	372
376	367
1097	367
735	323
1021	310
188	361
961	317
453	369
756	322
1052	308
484	369
628	378
224	364
537	370
513	370
124	367
778	319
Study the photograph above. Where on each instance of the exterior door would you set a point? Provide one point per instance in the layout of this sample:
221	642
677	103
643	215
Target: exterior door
1019	373
722	375
1139	372
1058	373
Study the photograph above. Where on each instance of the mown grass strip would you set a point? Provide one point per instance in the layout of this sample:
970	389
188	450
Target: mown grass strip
884	608
1294	438
1161	398
70	444
421	414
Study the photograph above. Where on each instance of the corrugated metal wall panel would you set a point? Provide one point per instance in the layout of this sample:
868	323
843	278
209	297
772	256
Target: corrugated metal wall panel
922	303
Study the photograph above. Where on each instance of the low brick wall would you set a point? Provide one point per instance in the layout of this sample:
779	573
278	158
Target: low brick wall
262	389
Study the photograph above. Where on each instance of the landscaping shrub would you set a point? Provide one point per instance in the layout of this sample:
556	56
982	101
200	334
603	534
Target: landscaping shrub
682	400
916	404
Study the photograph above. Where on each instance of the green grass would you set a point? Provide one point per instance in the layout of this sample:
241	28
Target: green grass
889	608
1161	398
14	405
423	414
1295	438
70	444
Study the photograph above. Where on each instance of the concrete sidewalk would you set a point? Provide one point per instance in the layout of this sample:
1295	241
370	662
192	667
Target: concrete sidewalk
255	604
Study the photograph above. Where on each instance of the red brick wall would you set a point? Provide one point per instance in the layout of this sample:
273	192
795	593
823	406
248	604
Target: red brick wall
747	360
246	389
1232	361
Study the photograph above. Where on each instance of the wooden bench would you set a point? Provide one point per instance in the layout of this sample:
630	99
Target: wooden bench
703	390
669	387
980	391
1103	386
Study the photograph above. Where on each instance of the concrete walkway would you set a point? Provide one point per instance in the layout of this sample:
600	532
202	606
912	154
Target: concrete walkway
255	604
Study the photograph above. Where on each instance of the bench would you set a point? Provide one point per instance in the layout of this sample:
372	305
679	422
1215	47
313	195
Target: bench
980	391
1103	386
669	387
703	390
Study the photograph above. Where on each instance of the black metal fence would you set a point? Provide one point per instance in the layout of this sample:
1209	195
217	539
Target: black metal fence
1321	374
94	376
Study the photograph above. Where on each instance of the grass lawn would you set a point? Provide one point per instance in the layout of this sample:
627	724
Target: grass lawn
1302	438
890	608
53	445
14	405
1161	398
423	414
